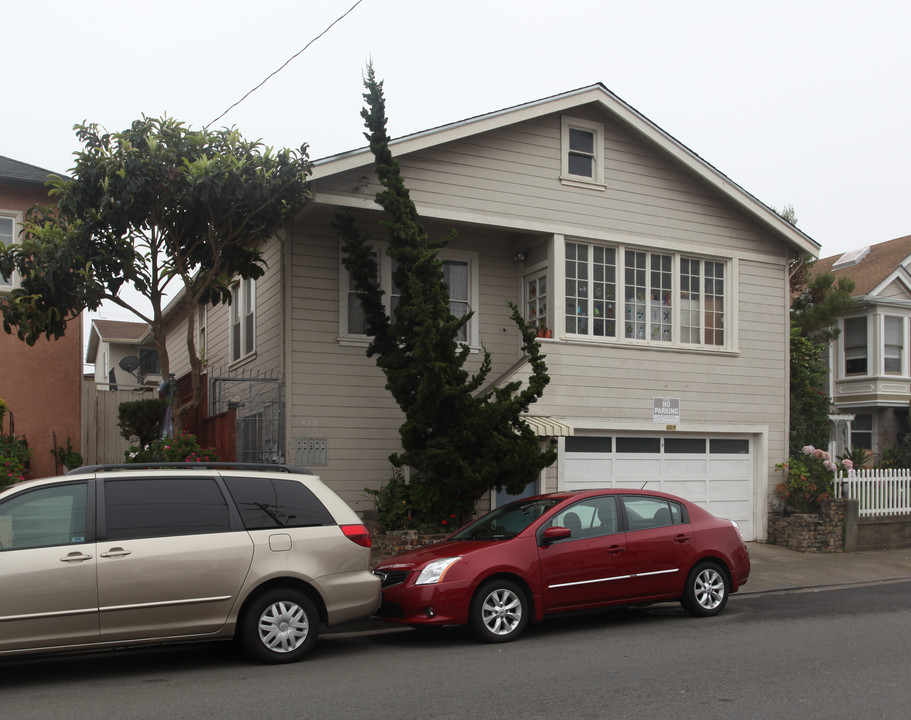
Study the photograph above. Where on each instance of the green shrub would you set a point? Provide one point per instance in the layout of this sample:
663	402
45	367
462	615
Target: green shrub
416	505
141	419
183	448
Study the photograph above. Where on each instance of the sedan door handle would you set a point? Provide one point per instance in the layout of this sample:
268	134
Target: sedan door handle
682	538
116	552
76	557
616	549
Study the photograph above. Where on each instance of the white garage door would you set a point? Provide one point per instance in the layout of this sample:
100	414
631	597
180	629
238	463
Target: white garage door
715	472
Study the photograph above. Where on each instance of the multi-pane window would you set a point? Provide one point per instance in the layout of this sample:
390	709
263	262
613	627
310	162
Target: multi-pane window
894	342
647	306
648	285
536	301
855	339
7	233
701	301
243	319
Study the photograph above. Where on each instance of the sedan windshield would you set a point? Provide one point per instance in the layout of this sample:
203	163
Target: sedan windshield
507	521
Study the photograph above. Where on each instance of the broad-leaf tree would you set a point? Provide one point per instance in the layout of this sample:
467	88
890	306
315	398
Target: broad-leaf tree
174	212
461	437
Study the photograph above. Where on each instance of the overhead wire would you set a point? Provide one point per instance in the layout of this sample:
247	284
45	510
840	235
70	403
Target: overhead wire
285	64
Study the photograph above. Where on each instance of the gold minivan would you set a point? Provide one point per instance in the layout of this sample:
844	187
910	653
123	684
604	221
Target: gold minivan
108	556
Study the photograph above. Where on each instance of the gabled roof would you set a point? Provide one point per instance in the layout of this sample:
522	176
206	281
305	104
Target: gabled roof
20	172
600	95
114	331
872	268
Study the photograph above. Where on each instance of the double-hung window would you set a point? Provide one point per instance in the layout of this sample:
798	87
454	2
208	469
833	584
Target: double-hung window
243	319
459	274
631	294
583	153
893	345
855	340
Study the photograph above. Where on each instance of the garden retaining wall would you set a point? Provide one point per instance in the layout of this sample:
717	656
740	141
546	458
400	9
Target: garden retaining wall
837	528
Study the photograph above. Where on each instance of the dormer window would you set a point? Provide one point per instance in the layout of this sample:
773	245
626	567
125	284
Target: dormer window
583	153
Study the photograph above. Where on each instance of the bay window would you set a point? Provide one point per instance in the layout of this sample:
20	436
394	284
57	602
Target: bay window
667	298
855	346
893	344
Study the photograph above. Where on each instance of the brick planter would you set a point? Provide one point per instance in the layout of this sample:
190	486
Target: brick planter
823	532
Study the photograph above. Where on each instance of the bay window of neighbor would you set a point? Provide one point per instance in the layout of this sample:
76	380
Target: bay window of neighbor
894	342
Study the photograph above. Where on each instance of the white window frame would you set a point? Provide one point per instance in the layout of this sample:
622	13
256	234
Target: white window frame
242	320
843	346
597	130
7	284
384	264
655	317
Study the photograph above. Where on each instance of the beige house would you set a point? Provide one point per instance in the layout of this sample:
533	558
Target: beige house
870	376
662	285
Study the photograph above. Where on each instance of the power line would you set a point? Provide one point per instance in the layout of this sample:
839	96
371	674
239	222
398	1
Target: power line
275	72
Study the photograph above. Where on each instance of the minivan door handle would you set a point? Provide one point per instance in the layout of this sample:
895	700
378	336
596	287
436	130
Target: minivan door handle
116	552
76	557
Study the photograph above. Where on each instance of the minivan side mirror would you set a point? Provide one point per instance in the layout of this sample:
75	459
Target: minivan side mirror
556	532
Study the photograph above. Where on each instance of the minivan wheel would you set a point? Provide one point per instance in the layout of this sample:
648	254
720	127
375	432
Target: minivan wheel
280	626
499	611
706	591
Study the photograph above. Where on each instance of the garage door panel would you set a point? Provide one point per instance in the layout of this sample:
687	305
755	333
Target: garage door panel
721	483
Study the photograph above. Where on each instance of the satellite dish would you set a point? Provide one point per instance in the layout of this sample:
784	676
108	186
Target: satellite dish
129	363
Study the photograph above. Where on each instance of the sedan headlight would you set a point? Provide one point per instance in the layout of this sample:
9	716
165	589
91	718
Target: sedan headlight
434	571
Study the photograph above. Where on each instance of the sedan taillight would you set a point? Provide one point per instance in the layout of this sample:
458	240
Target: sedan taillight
358	534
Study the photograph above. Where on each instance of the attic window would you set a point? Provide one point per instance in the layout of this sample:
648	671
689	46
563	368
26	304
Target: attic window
583	153
851	258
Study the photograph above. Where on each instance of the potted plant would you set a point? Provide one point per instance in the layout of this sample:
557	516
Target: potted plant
67	457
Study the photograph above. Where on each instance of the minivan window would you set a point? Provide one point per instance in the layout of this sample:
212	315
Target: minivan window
146	508
44	517
272	503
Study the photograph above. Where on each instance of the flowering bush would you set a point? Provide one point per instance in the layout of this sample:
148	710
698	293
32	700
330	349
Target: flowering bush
183	448
13	455
416	505
809	479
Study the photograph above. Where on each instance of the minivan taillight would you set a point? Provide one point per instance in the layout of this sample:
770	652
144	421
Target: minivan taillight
358	534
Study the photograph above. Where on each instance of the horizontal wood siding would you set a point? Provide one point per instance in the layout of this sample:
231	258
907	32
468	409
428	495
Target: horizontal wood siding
514	172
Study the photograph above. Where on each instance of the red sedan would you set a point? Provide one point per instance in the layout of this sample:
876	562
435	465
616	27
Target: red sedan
567	551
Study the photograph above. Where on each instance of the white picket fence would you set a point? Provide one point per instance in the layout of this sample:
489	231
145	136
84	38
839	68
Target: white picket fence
878	492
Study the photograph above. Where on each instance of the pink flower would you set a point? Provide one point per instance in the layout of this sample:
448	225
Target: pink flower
849	464
829	465
808	449
818	454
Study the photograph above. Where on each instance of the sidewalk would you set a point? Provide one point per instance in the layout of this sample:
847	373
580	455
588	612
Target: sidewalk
776	568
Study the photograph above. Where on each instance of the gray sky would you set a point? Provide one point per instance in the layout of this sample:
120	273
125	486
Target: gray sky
802	102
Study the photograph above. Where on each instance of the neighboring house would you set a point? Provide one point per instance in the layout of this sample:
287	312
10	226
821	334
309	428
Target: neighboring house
870	377
662	283
39	383
123	354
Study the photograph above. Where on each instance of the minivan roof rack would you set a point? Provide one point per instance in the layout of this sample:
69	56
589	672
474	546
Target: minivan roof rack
262	467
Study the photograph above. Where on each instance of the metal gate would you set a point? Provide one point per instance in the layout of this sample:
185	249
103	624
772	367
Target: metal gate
258	400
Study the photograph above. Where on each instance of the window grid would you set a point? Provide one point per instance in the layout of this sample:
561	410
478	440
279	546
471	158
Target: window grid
536	301
577	288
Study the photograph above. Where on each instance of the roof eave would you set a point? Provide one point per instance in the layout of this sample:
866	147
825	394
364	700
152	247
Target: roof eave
362	157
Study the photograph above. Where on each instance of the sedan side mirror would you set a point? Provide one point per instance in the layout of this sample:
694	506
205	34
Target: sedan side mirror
556	532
